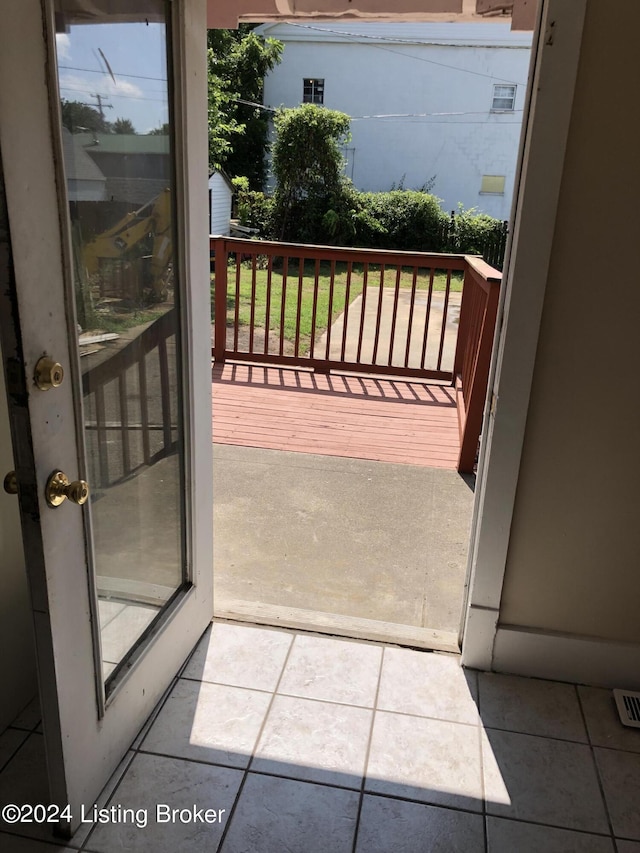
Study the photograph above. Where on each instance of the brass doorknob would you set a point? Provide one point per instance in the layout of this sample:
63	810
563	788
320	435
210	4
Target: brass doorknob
11	483
59	488
48	374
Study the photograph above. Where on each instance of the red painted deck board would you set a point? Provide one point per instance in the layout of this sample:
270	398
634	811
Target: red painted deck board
387	420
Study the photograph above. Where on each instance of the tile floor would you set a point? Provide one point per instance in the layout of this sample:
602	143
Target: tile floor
312	743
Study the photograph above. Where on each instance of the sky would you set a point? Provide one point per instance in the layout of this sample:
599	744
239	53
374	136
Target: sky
134	53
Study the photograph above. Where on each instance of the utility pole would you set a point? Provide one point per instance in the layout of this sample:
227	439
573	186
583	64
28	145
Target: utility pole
101	106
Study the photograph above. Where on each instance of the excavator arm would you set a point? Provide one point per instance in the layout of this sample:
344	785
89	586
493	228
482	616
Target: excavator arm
151	223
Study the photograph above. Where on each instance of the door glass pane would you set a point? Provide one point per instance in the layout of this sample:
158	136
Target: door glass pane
114	82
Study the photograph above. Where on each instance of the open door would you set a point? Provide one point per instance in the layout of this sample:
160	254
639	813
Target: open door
106	341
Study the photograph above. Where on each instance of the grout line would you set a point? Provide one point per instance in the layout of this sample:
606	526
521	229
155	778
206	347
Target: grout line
27	735
481	729
365	768
597	769
588	832
233	808
343	704
127	761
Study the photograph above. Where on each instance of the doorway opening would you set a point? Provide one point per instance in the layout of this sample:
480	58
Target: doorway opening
342	502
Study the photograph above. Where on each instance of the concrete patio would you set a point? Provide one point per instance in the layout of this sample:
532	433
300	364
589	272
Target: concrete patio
348	546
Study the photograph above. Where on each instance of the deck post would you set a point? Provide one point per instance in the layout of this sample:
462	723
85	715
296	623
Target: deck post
476	394
218	244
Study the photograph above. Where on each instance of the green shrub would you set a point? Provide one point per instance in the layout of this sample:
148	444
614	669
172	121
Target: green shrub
471	232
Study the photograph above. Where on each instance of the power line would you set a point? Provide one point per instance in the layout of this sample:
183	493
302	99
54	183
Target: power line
119	73
394	116
114	95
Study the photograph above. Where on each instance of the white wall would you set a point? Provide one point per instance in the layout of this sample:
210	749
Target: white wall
387	78
571	595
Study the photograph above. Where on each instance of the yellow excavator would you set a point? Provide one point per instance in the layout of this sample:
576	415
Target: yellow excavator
147	229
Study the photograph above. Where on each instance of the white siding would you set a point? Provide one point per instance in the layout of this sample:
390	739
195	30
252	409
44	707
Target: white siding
220	205
436	102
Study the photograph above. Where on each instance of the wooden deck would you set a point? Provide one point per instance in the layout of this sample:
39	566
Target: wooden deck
382	419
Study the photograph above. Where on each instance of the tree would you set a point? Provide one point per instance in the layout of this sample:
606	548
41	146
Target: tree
309	168
78	117
238	61
123	125
162	130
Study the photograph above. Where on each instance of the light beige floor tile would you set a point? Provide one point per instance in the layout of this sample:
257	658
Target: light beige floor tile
83	831
603	722
108	610
620	774
240	655
29	717
209	722
335	670
395	825
513	836
15	844
10	740
542	780
531	706
24	781
276	815
123	631
317	741
430	685
153	780
433	761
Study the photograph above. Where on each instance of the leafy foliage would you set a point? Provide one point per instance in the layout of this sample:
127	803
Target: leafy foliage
123	125
238	60
162	130
308	166
77	117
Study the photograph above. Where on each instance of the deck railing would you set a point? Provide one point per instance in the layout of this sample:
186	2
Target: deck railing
336	308
412	314
127	401
473	353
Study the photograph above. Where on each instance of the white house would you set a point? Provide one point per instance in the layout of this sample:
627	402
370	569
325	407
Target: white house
427	101
220	195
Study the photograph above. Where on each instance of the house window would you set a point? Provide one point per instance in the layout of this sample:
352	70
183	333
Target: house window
313	91
493	184
504	99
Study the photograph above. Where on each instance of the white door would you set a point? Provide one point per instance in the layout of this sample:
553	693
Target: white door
106	342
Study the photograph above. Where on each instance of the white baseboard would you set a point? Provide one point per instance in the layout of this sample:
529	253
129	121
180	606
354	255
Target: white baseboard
562	657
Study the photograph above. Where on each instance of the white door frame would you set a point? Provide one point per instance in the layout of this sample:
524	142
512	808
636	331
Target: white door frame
554	68
84	747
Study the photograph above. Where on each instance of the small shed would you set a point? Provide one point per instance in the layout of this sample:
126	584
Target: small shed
220	196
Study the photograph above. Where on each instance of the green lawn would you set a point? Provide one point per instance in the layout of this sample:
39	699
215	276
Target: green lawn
307	299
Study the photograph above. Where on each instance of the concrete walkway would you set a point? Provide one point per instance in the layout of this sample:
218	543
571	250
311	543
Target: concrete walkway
401	331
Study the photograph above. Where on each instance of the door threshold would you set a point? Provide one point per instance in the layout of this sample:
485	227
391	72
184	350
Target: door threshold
337	625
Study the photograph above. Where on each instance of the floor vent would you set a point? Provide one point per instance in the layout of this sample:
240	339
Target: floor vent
628	707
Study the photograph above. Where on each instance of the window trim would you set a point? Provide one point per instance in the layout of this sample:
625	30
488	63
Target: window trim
496	97
489	178
316	86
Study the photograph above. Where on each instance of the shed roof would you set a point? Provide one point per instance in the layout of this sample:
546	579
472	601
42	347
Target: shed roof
124	143
77	163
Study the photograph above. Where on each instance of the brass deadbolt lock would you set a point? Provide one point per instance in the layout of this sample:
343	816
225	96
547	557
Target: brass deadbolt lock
48	374
11	483
59	488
